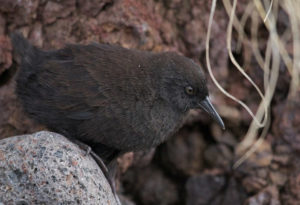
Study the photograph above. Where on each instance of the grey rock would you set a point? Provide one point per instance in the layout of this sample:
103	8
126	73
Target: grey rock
46	168
124	200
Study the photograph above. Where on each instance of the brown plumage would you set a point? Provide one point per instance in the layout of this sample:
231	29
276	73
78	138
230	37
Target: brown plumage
111	98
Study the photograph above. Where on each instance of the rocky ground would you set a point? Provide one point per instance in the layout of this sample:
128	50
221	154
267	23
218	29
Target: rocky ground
195	166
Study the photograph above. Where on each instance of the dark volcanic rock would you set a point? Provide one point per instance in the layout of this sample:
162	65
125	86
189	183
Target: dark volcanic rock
219	156
183	153
203	189
233	194
289	122
151	186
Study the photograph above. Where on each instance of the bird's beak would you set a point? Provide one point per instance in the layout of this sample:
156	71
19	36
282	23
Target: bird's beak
209	108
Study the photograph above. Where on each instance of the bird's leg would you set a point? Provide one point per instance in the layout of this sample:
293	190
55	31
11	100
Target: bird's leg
83	146
88	150
113	168
109	173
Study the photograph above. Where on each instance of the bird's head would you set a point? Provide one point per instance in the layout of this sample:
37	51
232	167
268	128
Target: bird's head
182	84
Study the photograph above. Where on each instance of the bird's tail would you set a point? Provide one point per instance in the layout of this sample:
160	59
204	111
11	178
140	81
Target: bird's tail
22	47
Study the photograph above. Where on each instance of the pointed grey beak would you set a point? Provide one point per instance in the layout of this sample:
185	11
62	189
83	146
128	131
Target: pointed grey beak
209	108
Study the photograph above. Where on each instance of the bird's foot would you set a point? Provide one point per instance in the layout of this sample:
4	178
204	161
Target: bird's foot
83	146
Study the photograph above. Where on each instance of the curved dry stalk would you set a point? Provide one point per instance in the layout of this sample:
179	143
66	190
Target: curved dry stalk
233	60
284	54
210	70
236	22
294	85
275	50
269	10
244	19
255	146
267	65
270	86
254	42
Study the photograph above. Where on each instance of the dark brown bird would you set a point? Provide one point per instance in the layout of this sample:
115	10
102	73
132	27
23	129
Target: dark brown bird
111	98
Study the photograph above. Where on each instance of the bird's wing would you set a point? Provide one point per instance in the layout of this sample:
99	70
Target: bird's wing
67	86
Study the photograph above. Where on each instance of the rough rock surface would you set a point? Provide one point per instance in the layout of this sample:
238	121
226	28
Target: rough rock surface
201	151
46	168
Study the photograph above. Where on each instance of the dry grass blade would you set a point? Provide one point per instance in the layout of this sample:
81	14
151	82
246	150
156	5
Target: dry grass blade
290	8
269	10
275	50
234	61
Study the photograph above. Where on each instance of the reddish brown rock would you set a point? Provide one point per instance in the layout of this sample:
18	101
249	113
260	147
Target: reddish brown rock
20	13
93	7
133	24
278	178
13	121
143	158
36	34
54	10
5	53
2	24
269	195
125	161
58	34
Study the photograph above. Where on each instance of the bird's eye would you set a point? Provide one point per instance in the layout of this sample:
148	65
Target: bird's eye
189	90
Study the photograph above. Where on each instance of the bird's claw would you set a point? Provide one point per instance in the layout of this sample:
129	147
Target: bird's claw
88	150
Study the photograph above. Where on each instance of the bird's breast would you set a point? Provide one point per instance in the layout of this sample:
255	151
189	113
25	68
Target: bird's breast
162	122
